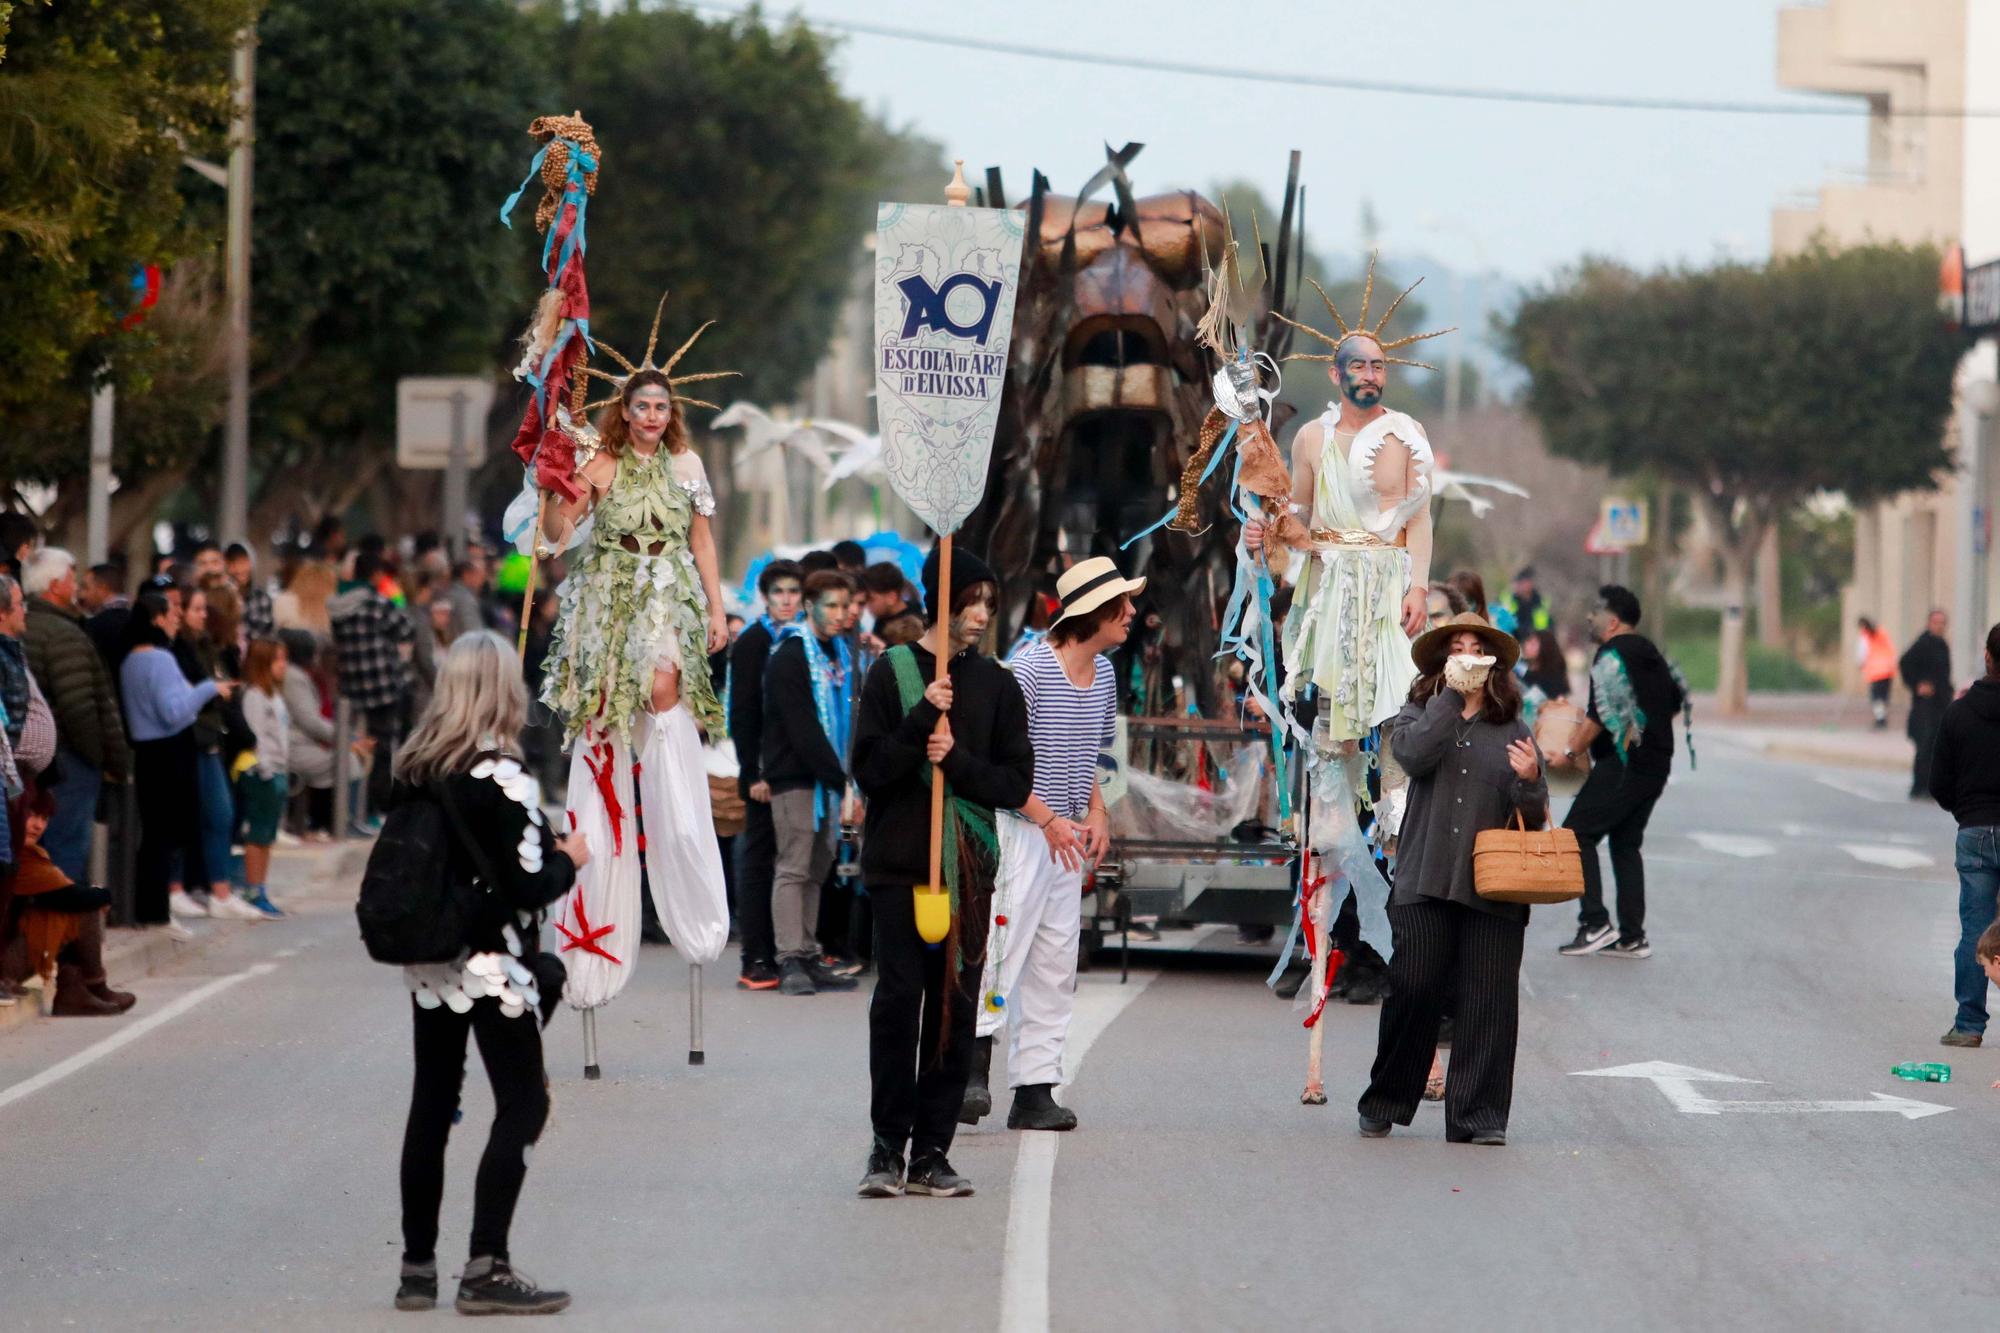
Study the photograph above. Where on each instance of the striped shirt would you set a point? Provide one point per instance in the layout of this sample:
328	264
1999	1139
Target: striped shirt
1067	726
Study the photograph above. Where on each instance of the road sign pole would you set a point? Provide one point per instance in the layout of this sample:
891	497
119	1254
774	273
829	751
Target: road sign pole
97	542
454	480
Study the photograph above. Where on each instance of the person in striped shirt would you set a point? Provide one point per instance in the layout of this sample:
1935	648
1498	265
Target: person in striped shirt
1047	844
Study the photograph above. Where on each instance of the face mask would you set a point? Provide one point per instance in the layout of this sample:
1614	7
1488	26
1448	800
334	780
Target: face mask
1464	672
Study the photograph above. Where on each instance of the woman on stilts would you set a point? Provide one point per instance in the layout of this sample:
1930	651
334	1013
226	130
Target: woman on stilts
627	672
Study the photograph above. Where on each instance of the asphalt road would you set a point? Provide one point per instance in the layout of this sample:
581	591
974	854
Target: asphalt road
233	1165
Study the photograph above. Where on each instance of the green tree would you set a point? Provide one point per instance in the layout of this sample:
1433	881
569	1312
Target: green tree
737	175
1753	387
388	132
99	100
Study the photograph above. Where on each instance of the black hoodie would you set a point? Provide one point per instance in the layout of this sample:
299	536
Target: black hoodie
1965	768
991	762
1659	698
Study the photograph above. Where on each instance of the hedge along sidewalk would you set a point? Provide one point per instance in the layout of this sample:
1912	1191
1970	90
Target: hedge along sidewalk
316	873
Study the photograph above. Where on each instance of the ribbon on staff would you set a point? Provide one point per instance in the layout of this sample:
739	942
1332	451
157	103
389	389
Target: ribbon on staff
1221	448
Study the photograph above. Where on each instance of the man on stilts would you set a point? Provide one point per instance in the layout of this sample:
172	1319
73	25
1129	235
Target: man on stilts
1029	986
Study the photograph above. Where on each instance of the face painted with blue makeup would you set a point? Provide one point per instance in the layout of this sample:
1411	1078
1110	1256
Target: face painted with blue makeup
1361	371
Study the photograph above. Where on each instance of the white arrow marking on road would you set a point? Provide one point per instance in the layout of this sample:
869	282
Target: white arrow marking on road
1853	788
1836	834
1731	844
1677	1083
1889	858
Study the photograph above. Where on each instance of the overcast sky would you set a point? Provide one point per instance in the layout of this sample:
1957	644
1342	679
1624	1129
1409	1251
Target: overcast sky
1518	189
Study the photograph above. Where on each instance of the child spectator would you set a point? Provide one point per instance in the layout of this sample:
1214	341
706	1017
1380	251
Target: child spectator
264	789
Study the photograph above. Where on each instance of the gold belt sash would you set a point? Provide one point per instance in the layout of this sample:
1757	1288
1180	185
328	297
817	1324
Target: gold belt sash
1357	538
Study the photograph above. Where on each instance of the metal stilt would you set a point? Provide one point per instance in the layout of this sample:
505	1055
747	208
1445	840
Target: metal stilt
590	1069
696	1055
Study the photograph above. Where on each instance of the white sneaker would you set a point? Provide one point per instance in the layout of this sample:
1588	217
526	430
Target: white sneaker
233	908
174	930
183	903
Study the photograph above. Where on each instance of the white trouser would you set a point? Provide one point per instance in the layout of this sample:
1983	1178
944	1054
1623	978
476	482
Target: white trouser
683	862
1031	960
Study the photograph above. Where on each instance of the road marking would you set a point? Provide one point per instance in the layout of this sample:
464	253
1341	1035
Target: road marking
1889	858
1024	1278
90	1055
1905	880
1818	834
1853	788
1677	1082
1733	844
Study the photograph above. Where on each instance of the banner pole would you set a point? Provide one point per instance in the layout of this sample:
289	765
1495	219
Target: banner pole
534	567
957	194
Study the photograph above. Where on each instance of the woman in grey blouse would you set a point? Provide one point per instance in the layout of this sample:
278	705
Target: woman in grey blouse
1472	765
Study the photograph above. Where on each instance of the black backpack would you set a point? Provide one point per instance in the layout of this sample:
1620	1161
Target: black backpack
414	906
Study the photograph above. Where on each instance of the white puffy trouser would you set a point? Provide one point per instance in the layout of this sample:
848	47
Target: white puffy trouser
1031	958
598	924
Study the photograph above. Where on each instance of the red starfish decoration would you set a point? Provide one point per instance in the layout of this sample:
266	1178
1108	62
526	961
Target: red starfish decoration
598	760
585	936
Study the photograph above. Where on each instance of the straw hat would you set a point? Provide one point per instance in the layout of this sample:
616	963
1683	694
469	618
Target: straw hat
1434	645
1091	583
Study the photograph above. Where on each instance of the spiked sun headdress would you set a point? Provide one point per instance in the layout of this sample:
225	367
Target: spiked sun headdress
1361	325
674	382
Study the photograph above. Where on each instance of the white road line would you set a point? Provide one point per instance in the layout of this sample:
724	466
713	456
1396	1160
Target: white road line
1024	1280
1889	858
1853	788
90	1055
1905	880
1734	844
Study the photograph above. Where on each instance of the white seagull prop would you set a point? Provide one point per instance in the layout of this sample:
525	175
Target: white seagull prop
1452	485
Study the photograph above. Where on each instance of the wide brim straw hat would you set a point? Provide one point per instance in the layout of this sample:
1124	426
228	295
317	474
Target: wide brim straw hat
1091	583
1434	645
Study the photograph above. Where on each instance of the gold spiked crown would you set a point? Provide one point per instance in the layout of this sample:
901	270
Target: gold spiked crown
1361	325
646	363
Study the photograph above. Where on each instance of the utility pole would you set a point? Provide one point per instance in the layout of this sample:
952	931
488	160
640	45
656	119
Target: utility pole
234	520
97	541
453	531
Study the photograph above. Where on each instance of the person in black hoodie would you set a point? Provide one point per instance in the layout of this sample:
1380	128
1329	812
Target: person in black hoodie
1926	670
757	846
808	706
920	1023
1634	694
1965	780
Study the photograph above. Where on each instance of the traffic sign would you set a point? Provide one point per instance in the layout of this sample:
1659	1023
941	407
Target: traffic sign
430	407
1623	523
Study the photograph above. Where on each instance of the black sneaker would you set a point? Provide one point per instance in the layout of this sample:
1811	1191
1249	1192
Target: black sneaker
793	979
419	1287
1630	949
491	1286
1371	1128
884	1179
758	976
825	978
931	1174
1589	939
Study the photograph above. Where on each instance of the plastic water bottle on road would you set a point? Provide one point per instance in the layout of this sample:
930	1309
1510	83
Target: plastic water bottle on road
1924	1072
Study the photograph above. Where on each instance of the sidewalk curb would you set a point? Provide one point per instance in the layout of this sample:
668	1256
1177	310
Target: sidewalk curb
131	951
1805	750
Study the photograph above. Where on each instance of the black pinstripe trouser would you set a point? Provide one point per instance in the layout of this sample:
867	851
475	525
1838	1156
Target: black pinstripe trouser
1473	958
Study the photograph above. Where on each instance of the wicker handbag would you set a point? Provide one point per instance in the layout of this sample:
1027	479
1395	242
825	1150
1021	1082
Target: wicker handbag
1512	865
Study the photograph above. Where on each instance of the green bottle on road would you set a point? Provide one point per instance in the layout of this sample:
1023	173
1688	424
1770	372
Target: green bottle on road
1925	1072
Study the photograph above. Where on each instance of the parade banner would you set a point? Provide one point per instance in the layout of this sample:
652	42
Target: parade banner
944	311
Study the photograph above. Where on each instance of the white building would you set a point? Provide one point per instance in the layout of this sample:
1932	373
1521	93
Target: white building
1923	181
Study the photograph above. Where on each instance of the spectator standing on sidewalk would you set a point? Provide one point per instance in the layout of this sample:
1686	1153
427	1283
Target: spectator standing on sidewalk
1875	654
782	587
309	745
809	691
90	738
1634	694
1926	669
162	707
258	616
467	593
1965	780
371	637
267	785
200	661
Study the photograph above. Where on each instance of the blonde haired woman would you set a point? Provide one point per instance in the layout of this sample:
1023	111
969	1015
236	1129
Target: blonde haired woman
465	753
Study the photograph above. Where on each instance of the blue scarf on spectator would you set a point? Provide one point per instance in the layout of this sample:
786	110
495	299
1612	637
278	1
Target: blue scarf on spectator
833	699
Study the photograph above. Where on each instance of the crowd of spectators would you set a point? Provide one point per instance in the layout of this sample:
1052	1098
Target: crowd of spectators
196	711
